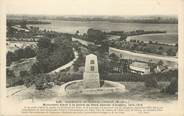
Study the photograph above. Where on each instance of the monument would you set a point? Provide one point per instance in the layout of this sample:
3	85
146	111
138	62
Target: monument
90	84
91	76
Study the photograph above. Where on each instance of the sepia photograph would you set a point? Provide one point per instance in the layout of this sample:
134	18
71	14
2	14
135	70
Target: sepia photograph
100	52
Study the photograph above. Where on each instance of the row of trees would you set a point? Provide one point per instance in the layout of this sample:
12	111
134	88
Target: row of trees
144	47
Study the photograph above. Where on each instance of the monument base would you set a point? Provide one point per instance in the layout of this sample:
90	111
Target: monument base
76	87
89	82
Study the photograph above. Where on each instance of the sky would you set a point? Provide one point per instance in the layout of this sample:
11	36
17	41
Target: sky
92	7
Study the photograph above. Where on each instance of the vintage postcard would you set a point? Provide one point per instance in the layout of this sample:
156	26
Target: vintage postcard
86	57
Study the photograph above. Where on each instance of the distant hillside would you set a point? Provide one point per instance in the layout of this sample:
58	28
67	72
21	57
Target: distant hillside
115	19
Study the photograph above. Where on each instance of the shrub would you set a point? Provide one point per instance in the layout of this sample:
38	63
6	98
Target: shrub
66	77
41	81
172	88
151	81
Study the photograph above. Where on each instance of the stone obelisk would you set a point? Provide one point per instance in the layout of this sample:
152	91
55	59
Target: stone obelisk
91	76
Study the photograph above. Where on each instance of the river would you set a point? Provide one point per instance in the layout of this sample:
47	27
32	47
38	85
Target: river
83	26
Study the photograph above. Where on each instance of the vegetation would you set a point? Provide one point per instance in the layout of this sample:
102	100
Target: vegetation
18	54
55	50
24	22
151	81
172	88
52	55
95	36
133	33
140	46
66	77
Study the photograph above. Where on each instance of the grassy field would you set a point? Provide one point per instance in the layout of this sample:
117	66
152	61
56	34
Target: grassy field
160	38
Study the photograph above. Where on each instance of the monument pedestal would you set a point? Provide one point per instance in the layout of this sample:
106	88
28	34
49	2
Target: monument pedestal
91	80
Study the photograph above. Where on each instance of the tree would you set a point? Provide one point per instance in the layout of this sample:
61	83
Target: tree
77	33
10	56
44	43
176	45
95	35
160	48
123	37
114	57
10	73
104	68
170	52
150	81
114	63
150	42
160	62
19	53
104	47
172	88
41	81
27	78
29	52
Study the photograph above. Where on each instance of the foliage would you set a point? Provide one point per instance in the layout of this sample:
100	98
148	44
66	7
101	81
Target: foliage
20	53
96	36
66	77
172	88
140	46
41	81
104	47
151	81
11	79
79	62
104	68
128	76
123	37
52	55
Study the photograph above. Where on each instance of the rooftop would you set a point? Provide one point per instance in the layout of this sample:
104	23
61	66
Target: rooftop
139	65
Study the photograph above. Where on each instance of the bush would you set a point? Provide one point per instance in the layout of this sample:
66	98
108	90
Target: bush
151	81
12	80
130	77
41	81
96	36
172	88
66	77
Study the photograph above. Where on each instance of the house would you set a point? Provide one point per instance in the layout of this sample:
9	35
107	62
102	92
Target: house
139	68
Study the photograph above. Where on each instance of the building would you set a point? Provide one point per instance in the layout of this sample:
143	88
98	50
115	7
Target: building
91	76
139	68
